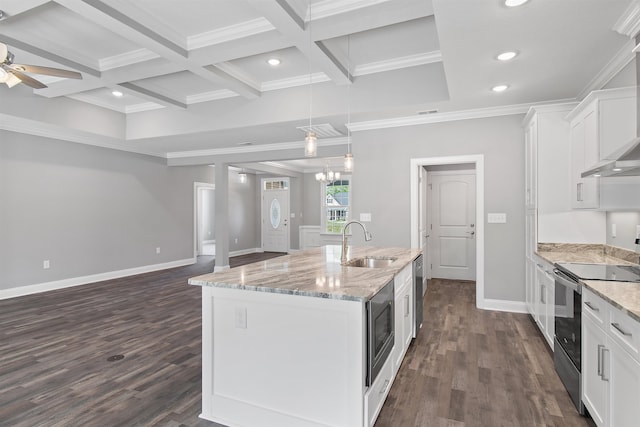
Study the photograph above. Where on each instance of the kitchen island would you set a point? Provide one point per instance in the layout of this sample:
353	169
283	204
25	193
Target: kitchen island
284	341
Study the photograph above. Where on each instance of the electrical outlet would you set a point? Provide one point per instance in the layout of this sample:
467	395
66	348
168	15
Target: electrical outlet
614	230
158	250
236	240
46	264
241	318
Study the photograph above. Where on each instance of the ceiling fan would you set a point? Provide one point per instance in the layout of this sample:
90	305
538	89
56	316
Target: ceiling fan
12	74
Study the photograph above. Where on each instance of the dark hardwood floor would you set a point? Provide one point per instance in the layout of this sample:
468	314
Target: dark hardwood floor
467	368
471	367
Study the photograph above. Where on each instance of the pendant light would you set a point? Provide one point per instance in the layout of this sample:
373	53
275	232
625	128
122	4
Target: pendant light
311	140
327	175
348	158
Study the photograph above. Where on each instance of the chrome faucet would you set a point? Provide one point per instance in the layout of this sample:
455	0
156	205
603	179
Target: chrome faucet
367	237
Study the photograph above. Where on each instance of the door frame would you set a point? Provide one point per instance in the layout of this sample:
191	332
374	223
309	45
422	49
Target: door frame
414	173
288	218
197	186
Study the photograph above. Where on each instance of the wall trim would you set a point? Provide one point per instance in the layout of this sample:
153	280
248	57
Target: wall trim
504	305
620	60
92	278
229	33
398	63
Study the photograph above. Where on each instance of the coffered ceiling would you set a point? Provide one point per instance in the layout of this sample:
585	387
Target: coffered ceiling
195	77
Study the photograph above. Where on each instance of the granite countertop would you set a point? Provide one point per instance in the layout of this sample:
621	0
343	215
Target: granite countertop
314	272
623	295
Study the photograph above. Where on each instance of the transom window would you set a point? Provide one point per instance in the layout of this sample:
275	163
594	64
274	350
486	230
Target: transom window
336	204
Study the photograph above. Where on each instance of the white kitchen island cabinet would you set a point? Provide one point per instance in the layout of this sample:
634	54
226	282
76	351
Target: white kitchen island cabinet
284	341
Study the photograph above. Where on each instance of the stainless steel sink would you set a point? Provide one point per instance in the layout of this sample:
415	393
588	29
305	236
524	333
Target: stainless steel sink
371	262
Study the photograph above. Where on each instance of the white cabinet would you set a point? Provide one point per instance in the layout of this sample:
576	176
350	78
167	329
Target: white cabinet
603	122
545	300
403	316
610	363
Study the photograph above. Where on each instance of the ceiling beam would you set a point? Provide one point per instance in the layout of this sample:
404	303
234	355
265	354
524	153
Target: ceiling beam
152	95
139	31
283	17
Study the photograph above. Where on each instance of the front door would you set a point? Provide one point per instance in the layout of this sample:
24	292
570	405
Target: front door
275	214
452	225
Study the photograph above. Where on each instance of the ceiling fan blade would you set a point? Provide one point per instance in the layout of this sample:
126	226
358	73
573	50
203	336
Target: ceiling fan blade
47	71
29	81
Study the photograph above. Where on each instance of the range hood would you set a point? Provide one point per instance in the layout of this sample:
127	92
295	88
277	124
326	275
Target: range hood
626	160
623	162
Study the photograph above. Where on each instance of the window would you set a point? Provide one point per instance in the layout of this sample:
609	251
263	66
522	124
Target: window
336	203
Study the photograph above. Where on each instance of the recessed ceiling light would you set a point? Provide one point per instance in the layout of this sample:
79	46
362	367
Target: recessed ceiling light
506	56
514	3
597	175
117	94
500	88
274	62
616	169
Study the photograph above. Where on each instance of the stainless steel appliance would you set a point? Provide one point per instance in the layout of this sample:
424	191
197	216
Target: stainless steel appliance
568	317
380	330
417	293
568	333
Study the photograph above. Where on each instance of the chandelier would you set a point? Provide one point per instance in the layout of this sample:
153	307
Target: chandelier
327	175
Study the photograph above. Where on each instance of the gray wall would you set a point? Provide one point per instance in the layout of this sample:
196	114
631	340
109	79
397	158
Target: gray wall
89	210
626	223
382	187
311	208
242	212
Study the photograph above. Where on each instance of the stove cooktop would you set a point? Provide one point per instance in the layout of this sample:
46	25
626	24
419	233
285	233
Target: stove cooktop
616	273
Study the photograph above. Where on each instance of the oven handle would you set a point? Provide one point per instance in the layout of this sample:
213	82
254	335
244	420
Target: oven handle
563	279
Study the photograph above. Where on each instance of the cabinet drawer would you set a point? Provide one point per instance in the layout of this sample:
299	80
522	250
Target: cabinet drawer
377	393
625	331
402	280
595	307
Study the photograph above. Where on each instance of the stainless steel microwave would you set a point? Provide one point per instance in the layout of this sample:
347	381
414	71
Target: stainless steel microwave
380	330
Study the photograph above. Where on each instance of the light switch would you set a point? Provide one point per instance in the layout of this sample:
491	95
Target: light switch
613	230
241	318
365	217
497	218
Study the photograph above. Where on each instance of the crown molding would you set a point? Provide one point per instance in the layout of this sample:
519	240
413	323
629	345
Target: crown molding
620	60
143	106
629	22
230	33
47	130
326	8
210	96
253	148
127	58
398	63
563	107
294	82
479	113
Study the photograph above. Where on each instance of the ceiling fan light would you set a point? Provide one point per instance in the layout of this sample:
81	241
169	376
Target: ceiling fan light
310	145
12	80
514	3
4	76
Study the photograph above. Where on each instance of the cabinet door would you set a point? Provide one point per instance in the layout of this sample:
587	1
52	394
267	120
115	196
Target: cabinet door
407	319
530	271
594	388
530	140
541	297
624	387
584	191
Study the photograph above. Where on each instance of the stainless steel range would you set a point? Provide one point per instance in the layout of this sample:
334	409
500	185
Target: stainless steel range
568	317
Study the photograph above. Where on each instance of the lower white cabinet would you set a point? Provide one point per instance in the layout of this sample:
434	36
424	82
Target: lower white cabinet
610	371
544	301
403	316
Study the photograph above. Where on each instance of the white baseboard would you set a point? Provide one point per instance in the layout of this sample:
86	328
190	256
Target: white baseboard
245	252
85	280
504	305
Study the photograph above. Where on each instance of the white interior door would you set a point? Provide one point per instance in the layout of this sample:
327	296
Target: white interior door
275	215
452	226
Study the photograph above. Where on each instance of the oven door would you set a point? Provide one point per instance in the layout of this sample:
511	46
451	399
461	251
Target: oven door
568	316
380	330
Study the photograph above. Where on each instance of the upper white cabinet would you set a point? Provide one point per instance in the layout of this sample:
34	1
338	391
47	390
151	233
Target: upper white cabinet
603	122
